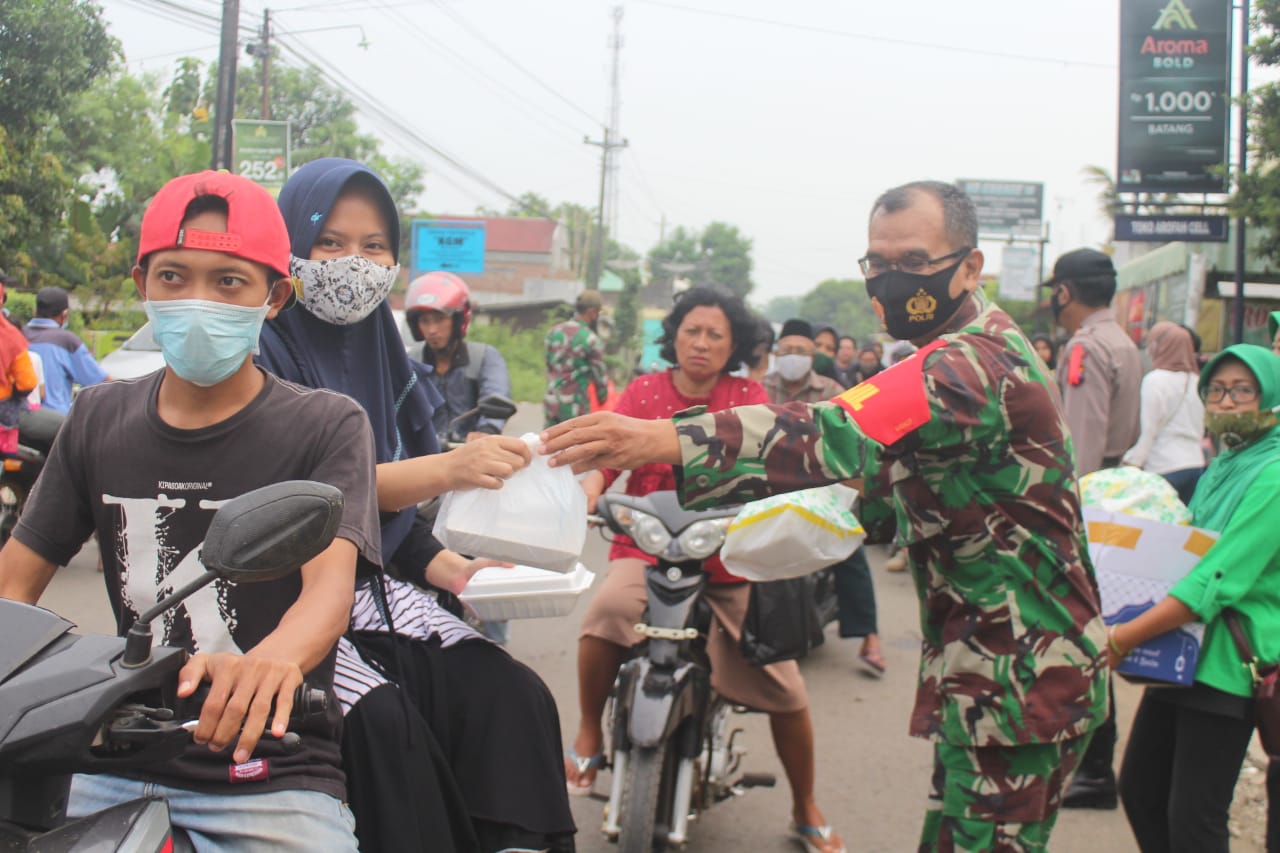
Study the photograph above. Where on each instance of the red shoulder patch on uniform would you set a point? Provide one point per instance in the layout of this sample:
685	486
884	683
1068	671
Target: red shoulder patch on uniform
892	403
1075	365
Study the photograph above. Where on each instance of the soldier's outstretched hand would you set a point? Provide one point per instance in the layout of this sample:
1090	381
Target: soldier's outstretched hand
609	440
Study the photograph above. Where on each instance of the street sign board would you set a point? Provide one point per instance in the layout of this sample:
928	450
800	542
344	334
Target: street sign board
1166	229
1175	60
1006	208
453	245
261	152
1019	272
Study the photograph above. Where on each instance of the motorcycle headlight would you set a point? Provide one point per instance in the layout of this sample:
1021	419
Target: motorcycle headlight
703	538
650	535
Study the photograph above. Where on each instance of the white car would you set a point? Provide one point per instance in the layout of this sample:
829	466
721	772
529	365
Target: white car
140	355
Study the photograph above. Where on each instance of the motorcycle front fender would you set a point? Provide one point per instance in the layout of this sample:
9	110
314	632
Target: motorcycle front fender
657	701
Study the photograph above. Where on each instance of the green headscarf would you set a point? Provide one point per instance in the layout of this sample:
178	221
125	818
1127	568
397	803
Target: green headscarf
1273	323
1229	476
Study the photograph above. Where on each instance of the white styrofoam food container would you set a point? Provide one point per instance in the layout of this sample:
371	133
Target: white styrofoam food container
525	592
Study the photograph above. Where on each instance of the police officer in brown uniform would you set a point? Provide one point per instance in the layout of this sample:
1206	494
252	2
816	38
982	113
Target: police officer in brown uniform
1099	374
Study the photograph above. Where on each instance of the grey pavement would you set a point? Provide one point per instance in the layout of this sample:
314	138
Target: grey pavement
871	779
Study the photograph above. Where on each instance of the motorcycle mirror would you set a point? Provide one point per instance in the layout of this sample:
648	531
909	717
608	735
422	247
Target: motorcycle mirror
495	407
270	532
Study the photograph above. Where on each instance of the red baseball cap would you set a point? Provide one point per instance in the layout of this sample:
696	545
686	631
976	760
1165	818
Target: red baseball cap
255	228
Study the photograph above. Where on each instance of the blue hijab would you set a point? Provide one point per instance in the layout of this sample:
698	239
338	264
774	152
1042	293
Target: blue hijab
365	360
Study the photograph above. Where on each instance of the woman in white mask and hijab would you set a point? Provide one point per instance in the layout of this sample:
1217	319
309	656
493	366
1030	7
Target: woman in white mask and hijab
495	781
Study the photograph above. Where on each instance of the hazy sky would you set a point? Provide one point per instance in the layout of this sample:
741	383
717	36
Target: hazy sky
783	119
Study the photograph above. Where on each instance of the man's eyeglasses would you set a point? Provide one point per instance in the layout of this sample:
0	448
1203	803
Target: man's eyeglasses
1240	394
874	265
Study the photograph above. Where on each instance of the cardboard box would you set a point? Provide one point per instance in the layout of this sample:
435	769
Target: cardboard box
1138	562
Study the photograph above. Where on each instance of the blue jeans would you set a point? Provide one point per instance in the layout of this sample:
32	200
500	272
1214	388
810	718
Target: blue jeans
297	820
1184	482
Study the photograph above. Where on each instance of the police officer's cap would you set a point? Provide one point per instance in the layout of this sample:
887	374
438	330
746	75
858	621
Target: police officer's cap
1082	265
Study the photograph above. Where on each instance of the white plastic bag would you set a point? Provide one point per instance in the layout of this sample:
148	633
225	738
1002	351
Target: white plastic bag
538	518
787	536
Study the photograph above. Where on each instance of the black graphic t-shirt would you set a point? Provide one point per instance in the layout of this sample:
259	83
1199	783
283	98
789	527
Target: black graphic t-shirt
150	491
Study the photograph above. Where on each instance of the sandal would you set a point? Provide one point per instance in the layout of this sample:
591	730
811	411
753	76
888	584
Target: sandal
818	839
583	766
873	663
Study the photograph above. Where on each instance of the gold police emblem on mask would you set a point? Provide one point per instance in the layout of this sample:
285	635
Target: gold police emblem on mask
920	307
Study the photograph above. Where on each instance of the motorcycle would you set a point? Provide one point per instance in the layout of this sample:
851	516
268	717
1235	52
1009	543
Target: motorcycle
673	750
73	703
36	431
491	406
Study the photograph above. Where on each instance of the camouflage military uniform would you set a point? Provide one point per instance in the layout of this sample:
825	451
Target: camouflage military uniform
575	360
969	441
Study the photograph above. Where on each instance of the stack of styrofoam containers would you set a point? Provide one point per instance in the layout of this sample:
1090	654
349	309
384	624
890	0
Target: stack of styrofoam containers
524	592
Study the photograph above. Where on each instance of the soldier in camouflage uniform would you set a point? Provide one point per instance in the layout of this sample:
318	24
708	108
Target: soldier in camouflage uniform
575	360
973	457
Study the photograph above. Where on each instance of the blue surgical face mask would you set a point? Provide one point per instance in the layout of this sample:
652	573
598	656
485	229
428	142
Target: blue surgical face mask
205	342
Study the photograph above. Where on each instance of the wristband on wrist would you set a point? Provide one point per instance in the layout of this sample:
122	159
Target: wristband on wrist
1111	642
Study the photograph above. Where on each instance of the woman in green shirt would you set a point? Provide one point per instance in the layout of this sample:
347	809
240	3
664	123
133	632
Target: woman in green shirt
1186	745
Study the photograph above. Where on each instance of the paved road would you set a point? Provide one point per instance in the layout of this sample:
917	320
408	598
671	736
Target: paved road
872	777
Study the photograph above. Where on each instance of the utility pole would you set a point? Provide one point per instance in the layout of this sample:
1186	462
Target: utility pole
615	122
1242	251
266	64
596	267
225	103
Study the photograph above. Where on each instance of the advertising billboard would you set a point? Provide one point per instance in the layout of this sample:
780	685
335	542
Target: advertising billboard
1006	208
1174	95
260	151
453	245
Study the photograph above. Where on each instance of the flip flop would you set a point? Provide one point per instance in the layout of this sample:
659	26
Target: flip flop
583	766
817	839
873	662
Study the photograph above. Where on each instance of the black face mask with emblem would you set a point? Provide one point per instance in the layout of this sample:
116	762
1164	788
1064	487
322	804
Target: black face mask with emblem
915	306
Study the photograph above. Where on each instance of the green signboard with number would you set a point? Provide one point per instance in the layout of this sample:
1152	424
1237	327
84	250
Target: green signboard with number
1174	71
260	152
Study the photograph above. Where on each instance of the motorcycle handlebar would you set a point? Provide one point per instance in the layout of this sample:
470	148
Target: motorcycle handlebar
309	704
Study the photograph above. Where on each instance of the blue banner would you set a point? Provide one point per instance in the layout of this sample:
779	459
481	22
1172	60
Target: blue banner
453	245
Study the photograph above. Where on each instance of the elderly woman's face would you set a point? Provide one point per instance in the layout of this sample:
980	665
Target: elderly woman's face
1232	388
704	342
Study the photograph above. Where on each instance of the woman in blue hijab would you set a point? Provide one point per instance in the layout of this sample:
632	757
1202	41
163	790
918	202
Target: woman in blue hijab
494	719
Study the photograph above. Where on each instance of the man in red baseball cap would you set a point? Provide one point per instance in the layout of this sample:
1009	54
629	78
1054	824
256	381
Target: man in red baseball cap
144	463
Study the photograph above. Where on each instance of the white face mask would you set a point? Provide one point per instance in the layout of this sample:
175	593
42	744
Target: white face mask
794	367
343	290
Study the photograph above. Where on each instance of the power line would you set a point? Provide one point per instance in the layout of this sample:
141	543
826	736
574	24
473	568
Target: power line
497	86
374	109
809	28
485	40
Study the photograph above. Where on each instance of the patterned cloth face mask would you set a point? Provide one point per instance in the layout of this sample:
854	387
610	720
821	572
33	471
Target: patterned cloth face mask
1236	429
344	290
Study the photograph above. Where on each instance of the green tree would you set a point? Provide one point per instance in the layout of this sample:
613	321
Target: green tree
780	309
50	51
1257	195
625	262
719	254
843	303
322	121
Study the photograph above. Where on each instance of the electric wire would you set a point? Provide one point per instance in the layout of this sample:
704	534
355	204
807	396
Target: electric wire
485	40
495	85
810	28
376	110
